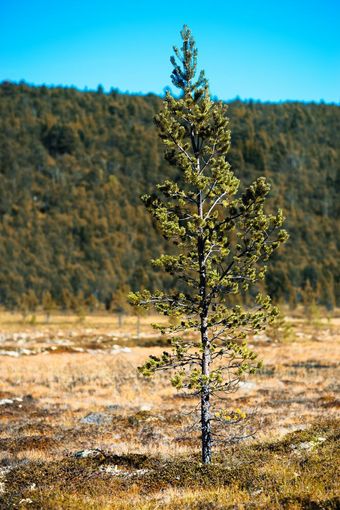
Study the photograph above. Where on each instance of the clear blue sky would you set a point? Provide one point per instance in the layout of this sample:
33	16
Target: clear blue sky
269	50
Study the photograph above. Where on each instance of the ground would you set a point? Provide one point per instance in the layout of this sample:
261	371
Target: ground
80	429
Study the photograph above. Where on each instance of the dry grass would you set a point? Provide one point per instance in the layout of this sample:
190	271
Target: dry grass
62	371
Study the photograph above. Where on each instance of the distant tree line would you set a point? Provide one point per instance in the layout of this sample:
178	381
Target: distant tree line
73	231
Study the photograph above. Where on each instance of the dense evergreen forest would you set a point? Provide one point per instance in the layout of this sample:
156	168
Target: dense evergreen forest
72	168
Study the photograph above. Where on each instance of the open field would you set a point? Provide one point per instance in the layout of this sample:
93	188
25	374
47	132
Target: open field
80	429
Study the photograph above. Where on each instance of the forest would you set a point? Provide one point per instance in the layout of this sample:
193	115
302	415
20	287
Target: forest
73	165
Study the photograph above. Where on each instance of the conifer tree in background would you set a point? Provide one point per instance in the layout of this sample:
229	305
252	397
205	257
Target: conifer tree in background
222	238
48	304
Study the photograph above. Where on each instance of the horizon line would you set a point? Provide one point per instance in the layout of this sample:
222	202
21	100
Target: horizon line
101	90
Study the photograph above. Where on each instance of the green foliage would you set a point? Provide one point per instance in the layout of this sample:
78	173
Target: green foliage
28	304
280	330
73	165
310	299
48	304
60	139
222	239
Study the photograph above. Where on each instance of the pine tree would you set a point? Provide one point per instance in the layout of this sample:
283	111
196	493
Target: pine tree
28	304
222	239
48	304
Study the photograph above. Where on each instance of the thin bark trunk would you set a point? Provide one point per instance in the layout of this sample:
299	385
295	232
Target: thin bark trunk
206	356
205	405
138	326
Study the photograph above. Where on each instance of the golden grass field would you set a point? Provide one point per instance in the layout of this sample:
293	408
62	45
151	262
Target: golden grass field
71	385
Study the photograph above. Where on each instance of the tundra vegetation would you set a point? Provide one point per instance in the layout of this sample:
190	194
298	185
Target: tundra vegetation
80	429
222	239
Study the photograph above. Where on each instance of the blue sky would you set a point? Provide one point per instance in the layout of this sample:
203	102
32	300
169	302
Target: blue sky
269	50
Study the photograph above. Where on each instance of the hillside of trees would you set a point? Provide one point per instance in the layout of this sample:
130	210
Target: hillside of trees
72	168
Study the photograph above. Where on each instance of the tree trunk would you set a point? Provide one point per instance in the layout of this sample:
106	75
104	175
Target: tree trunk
206	360
120	320
205	407
206	355
138	326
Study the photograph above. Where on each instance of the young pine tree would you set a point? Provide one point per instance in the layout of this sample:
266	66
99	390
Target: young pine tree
222	238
